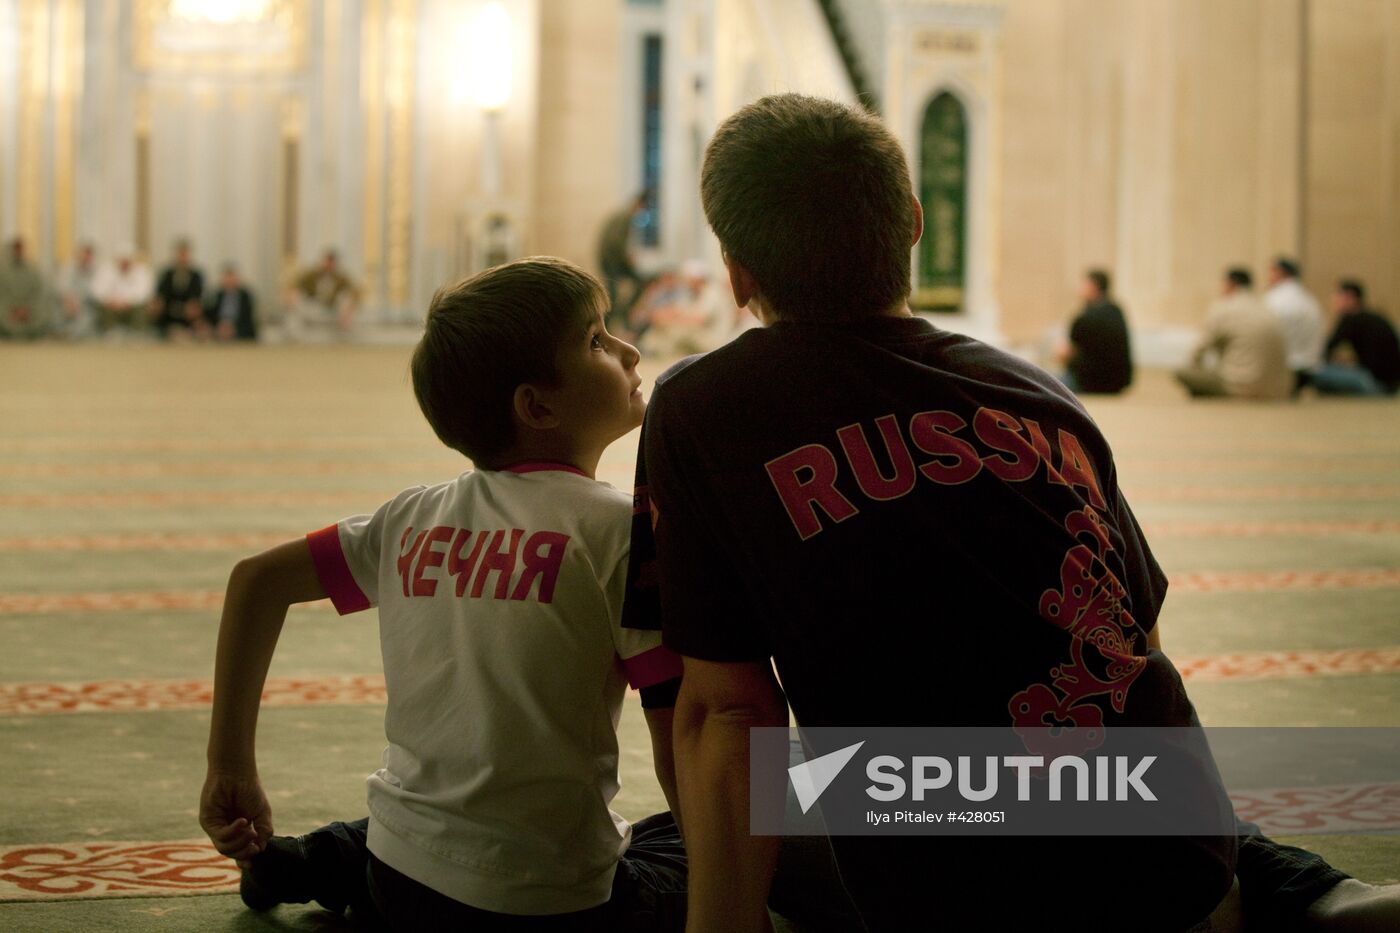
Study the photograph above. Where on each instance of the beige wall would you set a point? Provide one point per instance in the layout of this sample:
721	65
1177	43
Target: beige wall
578	182
1161	140
1353	162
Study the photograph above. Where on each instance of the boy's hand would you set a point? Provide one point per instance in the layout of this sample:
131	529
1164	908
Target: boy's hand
235	813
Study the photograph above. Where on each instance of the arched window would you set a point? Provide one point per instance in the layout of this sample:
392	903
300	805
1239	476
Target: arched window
942	256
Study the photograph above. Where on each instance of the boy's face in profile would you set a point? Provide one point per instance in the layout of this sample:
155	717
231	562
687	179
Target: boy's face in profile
599	396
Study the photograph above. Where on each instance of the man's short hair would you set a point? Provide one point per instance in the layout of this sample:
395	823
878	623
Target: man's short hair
1288	266
489	334
1100	279
814	199
1240	276
1354	288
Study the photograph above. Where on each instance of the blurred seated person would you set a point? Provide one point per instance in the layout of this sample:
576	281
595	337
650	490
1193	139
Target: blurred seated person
1099	357
684	312
123	290
1363	353
1301	316
24	301
178	306
625	284
1243	352
229	311
77	308
323	297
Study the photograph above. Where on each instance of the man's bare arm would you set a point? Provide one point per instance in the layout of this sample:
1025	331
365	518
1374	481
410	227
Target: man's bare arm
730	870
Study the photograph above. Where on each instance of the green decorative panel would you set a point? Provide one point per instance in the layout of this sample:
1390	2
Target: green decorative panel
942	257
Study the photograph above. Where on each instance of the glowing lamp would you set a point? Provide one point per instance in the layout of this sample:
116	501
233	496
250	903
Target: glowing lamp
487	68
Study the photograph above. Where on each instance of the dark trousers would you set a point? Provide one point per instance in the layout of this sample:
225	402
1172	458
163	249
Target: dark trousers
648	891
1277	884
1006	886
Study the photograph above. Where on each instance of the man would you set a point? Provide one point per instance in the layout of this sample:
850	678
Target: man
878	508
178	309
1243	351
77	307
229	312
615	263
1100	357
903	600
1301	316
123	293
325	295
24	303
1363	353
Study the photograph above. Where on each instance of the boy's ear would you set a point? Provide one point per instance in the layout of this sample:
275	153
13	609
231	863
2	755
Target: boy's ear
532	410
918	223
743	284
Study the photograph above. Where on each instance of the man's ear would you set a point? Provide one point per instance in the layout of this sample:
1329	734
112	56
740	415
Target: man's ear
531	408
918	224
741	281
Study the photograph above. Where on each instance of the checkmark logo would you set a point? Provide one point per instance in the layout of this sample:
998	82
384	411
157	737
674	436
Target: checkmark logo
811	778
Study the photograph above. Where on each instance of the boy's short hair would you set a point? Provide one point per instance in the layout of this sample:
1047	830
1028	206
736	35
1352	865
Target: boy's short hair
1100	279
1354	288
1288	266
489	334
814	199
1240	276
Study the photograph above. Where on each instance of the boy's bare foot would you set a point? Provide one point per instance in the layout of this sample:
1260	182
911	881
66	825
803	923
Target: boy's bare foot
280	874
1356	907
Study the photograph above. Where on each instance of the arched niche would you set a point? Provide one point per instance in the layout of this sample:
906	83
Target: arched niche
942	256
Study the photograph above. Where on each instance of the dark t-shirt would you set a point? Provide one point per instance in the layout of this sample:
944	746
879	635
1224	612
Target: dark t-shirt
613	254
1102	358
919	530
177	288
1373	339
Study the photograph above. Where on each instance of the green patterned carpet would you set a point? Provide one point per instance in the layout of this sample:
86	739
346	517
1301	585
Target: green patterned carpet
133	477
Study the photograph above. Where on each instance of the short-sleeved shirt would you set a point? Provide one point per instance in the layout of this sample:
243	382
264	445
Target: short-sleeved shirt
1102	360
1252	345
500	596
862	501
613	255
919	530
178	287
1372	338
1301	316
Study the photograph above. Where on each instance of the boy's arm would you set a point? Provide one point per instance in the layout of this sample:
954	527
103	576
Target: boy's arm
730	870
232	807
659	707
659	723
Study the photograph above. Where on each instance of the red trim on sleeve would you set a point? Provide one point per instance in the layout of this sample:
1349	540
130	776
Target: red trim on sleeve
542	466
653	666
334	573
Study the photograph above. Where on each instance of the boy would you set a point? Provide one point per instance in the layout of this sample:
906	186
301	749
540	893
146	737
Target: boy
499	594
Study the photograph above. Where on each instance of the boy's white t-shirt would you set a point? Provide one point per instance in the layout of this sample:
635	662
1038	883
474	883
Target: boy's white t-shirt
500	596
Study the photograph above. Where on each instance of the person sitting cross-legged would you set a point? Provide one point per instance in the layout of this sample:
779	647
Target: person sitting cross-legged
1363	353
499	596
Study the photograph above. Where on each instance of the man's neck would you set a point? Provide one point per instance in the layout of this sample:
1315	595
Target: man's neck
901	310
